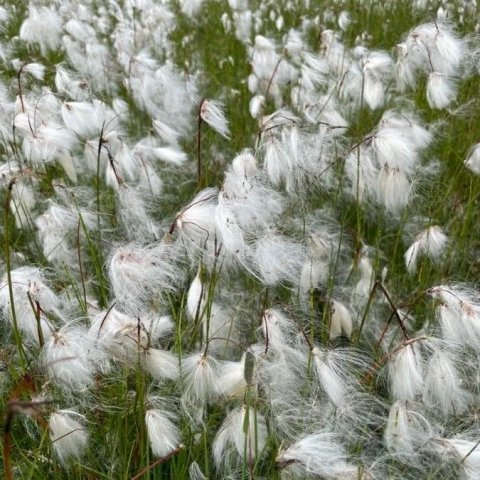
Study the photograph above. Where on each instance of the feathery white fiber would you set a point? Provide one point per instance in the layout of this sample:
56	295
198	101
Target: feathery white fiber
405	371
161	364
171	155
195	223
316	267
319	454
163	434
441	90
231	382
22	204
29	287
468	453
335	371
431	242
195	298
119	336
42	26
278	259
405	430
340	320
329	378
458	314
245	435
394	189
473	160
211	112
377	69
85	119
278	329
200	378
68	434
66	358
444	387
140	274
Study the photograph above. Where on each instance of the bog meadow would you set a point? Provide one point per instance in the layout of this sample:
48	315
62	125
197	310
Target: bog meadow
240	239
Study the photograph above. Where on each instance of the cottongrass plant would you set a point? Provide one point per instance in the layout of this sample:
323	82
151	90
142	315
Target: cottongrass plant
239	240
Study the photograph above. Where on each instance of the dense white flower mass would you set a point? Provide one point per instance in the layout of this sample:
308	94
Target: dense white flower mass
240	239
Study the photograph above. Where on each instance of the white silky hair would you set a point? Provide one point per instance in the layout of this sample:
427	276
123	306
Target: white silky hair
364	285
377	69
200	379
229	230
66	357
469	454
244	435
172	155
70	84
123	337
22	204
140	274
441	90
362	169
232	383
195	223
406	372
29	287
56	225
394	189
472	161
335	371
458	314
162	364
431	242
278	329
277	259
134	217
166	133
163	434
195	298
43	26
68	435
319	454
443	389
211	112
340	320
406	430
247	196
86	119
430	47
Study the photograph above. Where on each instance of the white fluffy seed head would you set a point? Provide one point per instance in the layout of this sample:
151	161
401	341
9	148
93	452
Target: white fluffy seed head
241	434
211	112
66	358
163	434
32	297
444	387
340	320
139	275
405	430
473	159
277	259
232	383
200	379
393	189
195	223
161	364
406	373
441	90
318	454
431	242
68	434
